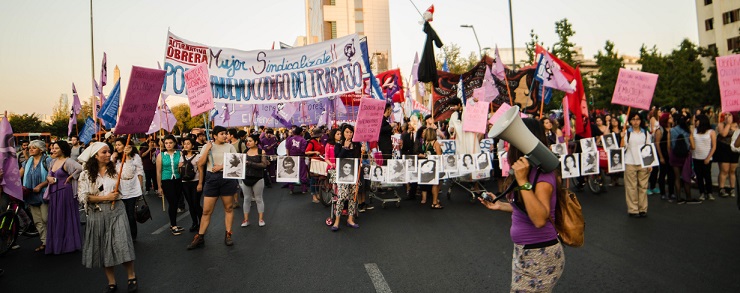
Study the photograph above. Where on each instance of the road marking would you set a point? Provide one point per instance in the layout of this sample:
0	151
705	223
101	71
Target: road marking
381	286
167	226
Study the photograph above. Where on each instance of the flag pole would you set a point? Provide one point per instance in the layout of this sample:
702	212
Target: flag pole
542	102
624	127
93	103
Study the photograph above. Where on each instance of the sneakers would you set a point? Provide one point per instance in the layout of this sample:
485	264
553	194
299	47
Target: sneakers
693	201
176	230
245	223
710	197
262	223
681	201
701	197
732	192
198	242
723	192
369	207
649	191
656	190
227	239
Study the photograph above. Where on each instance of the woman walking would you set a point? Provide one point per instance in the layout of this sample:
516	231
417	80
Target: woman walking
35	171
679	155
107	237
63	227
635	176
192	183
430	147
724	156
254	182
661	137
703	144
132	179
345	148
168	180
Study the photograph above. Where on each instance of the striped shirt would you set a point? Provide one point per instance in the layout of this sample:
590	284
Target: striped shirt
702	144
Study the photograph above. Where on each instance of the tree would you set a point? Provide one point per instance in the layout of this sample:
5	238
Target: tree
184	122
680	75
25	123
712	84
563	49
531	46
455	61
606	79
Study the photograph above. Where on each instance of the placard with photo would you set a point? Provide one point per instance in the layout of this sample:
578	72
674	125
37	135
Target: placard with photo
410	163
590	163
428	174
649	156
347	171
616	160
366	172
467	164
588	145
560	149
484	161
450	163
377	173
609	141
234	165
288	169
569	167
396	171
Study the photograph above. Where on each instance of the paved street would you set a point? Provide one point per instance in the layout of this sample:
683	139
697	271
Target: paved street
462	248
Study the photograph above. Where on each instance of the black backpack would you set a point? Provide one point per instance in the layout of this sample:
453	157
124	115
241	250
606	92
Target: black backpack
187	171
681	149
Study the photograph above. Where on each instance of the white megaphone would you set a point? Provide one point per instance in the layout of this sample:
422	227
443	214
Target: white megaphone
511	128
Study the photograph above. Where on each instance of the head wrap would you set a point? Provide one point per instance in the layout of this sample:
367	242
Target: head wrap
90	151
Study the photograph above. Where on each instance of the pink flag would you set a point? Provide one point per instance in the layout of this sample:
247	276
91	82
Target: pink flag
76	105
284	112
104	71
163	118
11	179
566	117
549	73
499	69
490	91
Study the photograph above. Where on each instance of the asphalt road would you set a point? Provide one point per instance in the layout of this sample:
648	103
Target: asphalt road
462	248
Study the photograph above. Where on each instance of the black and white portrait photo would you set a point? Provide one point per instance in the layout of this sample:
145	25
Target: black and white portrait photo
428	174
366	172
377	173
648	156
569	166
346	171
616	160
609	141
234	165
467	164
484	161
589	163
588	145
559	149
410	163
288	169
396	171
450	163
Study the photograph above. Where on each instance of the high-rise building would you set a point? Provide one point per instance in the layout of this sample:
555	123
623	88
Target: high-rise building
719	24
329	19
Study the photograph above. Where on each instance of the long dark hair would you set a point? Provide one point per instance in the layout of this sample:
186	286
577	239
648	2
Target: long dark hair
119	156
703	124
92	167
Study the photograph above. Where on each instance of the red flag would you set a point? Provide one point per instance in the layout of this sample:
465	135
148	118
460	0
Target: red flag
579	107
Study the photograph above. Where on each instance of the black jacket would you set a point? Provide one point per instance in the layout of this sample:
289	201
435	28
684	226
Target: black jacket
427	65
385	144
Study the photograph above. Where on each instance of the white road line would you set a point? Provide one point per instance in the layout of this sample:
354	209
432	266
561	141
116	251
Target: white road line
167	226
378	280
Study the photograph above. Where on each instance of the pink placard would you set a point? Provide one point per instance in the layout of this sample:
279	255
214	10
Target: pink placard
141	100
474	117
198	84
500	112
634	89
369	120
728	73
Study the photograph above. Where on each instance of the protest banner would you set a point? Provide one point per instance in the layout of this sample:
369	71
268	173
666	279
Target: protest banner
474	117
200	96
268	76
142	95
369	120
634	88
448	146
728	73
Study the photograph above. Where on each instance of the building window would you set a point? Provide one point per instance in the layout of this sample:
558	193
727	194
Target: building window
733	44
330	2
712	48
330	30
731	16
709	24
707	2
333	29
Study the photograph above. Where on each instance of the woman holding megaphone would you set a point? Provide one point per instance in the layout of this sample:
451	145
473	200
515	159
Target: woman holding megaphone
538	259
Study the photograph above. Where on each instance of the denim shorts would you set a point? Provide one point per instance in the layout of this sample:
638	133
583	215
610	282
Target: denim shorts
216	185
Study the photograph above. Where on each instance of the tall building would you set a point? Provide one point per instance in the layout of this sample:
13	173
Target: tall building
719	24
329	19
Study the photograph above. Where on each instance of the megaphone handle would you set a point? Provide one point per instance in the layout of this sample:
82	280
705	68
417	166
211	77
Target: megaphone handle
500	196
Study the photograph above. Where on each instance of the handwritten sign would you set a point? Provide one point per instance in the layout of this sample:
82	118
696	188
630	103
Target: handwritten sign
634	89
449	146
141	100
474	117
198	85
369	119
728	73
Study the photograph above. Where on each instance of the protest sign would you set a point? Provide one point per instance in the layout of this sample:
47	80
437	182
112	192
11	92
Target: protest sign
448	146
728	73
369	120
634	88
474	117
142	95
303	73
200	96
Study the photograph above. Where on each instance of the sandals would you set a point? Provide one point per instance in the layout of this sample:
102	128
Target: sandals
437	206
133	285
40	248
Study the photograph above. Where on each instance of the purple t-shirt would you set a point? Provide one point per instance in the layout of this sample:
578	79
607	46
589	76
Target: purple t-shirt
296	145
523	230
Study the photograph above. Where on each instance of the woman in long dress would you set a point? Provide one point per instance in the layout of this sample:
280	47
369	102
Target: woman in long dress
107	237
63	225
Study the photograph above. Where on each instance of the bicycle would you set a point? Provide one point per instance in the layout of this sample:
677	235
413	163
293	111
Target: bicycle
11	226
323	181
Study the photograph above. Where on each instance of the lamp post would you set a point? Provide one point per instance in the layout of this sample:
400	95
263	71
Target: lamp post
480	50
511	23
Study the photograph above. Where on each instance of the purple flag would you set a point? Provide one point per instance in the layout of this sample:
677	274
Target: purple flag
163	118
104	71
76	105
549	74
98	92
284	113
72	121
499	70
11	179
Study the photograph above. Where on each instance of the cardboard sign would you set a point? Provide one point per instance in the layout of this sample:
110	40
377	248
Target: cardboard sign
369	120
474	117
141	100
728	73
634	89
198	85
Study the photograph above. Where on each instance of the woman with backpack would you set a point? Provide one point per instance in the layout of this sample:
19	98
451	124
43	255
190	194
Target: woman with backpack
34	172
703	144
661	138
679	157
132	179
168	180
254	179
192	183
635	176
538	258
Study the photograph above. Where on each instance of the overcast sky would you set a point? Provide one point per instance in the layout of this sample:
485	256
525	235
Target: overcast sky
45	44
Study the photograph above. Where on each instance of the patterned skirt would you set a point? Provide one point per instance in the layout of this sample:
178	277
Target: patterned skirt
107	237
536	270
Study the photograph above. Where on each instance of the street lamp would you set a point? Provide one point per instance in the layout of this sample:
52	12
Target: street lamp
480	51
